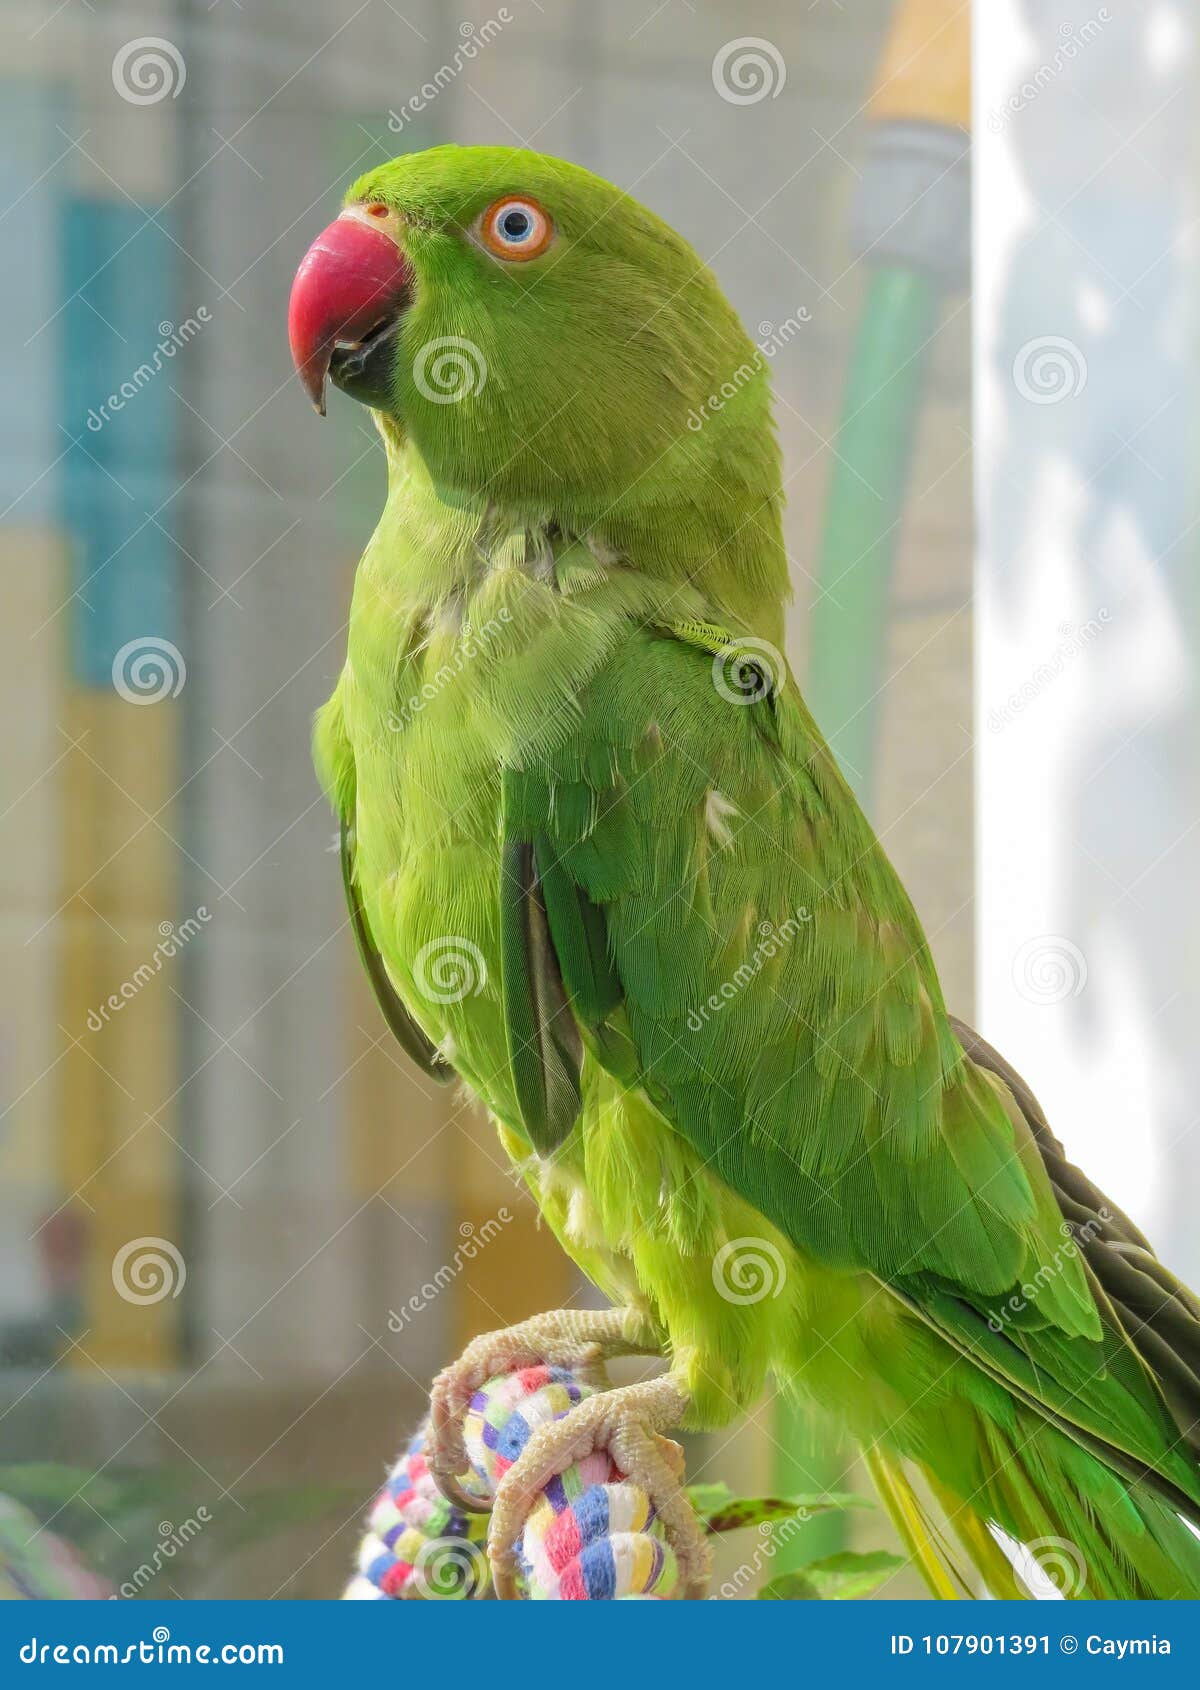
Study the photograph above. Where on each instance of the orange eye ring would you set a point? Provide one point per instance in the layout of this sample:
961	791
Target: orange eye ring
516	229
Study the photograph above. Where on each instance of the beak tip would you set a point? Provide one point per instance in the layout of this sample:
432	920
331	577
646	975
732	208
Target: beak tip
314	375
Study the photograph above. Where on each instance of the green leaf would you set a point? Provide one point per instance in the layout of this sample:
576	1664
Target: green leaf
789	1587
706	1499
842	1577
721	1511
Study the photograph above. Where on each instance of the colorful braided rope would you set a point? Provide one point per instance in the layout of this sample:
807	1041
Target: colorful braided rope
417	1546
591	1537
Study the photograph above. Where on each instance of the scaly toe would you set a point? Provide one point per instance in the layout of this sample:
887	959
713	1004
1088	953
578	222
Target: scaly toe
449	1400
574	1338
622	1423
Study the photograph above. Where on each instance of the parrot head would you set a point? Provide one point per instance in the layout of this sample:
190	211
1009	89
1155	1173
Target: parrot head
531	329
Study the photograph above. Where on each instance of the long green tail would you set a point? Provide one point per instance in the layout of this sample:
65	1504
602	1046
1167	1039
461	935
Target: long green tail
1079	1512
1085	1531
1077	1529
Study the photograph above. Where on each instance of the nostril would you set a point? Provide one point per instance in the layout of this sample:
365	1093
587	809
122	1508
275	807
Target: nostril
377	211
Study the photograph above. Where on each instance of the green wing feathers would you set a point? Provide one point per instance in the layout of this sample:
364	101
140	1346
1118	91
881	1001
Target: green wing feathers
407	1032
764	967
544	1045
776	984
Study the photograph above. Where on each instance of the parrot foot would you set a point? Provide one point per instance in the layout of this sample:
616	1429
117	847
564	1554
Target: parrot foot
627	1422
563	1338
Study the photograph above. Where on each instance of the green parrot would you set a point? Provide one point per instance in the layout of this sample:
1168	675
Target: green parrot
603	869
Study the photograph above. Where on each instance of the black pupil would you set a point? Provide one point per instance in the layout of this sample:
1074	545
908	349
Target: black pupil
515	224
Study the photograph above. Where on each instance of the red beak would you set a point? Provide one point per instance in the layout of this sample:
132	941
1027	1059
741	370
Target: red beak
352	278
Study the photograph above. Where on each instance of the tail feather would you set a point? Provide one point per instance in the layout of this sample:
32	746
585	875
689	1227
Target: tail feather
1086	1475
1052	1514
1156	1315
926	1545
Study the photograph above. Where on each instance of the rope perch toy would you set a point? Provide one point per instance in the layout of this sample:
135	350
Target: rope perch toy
591	1537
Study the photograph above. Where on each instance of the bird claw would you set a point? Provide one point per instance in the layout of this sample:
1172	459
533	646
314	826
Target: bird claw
577	1338
627	1423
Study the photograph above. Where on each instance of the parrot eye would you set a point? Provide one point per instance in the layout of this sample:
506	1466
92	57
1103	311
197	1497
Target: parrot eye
516	227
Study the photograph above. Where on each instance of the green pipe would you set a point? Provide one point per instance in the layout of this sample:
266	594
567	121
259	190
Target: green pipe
873	447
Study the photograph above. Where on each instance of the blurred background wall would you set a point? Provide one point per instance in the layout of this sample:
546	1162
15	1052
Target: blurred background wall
222	1185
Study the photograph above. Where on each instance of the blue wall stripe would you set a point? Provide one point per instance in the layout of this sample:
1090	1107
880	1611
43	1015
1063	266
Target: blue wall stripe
119	413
